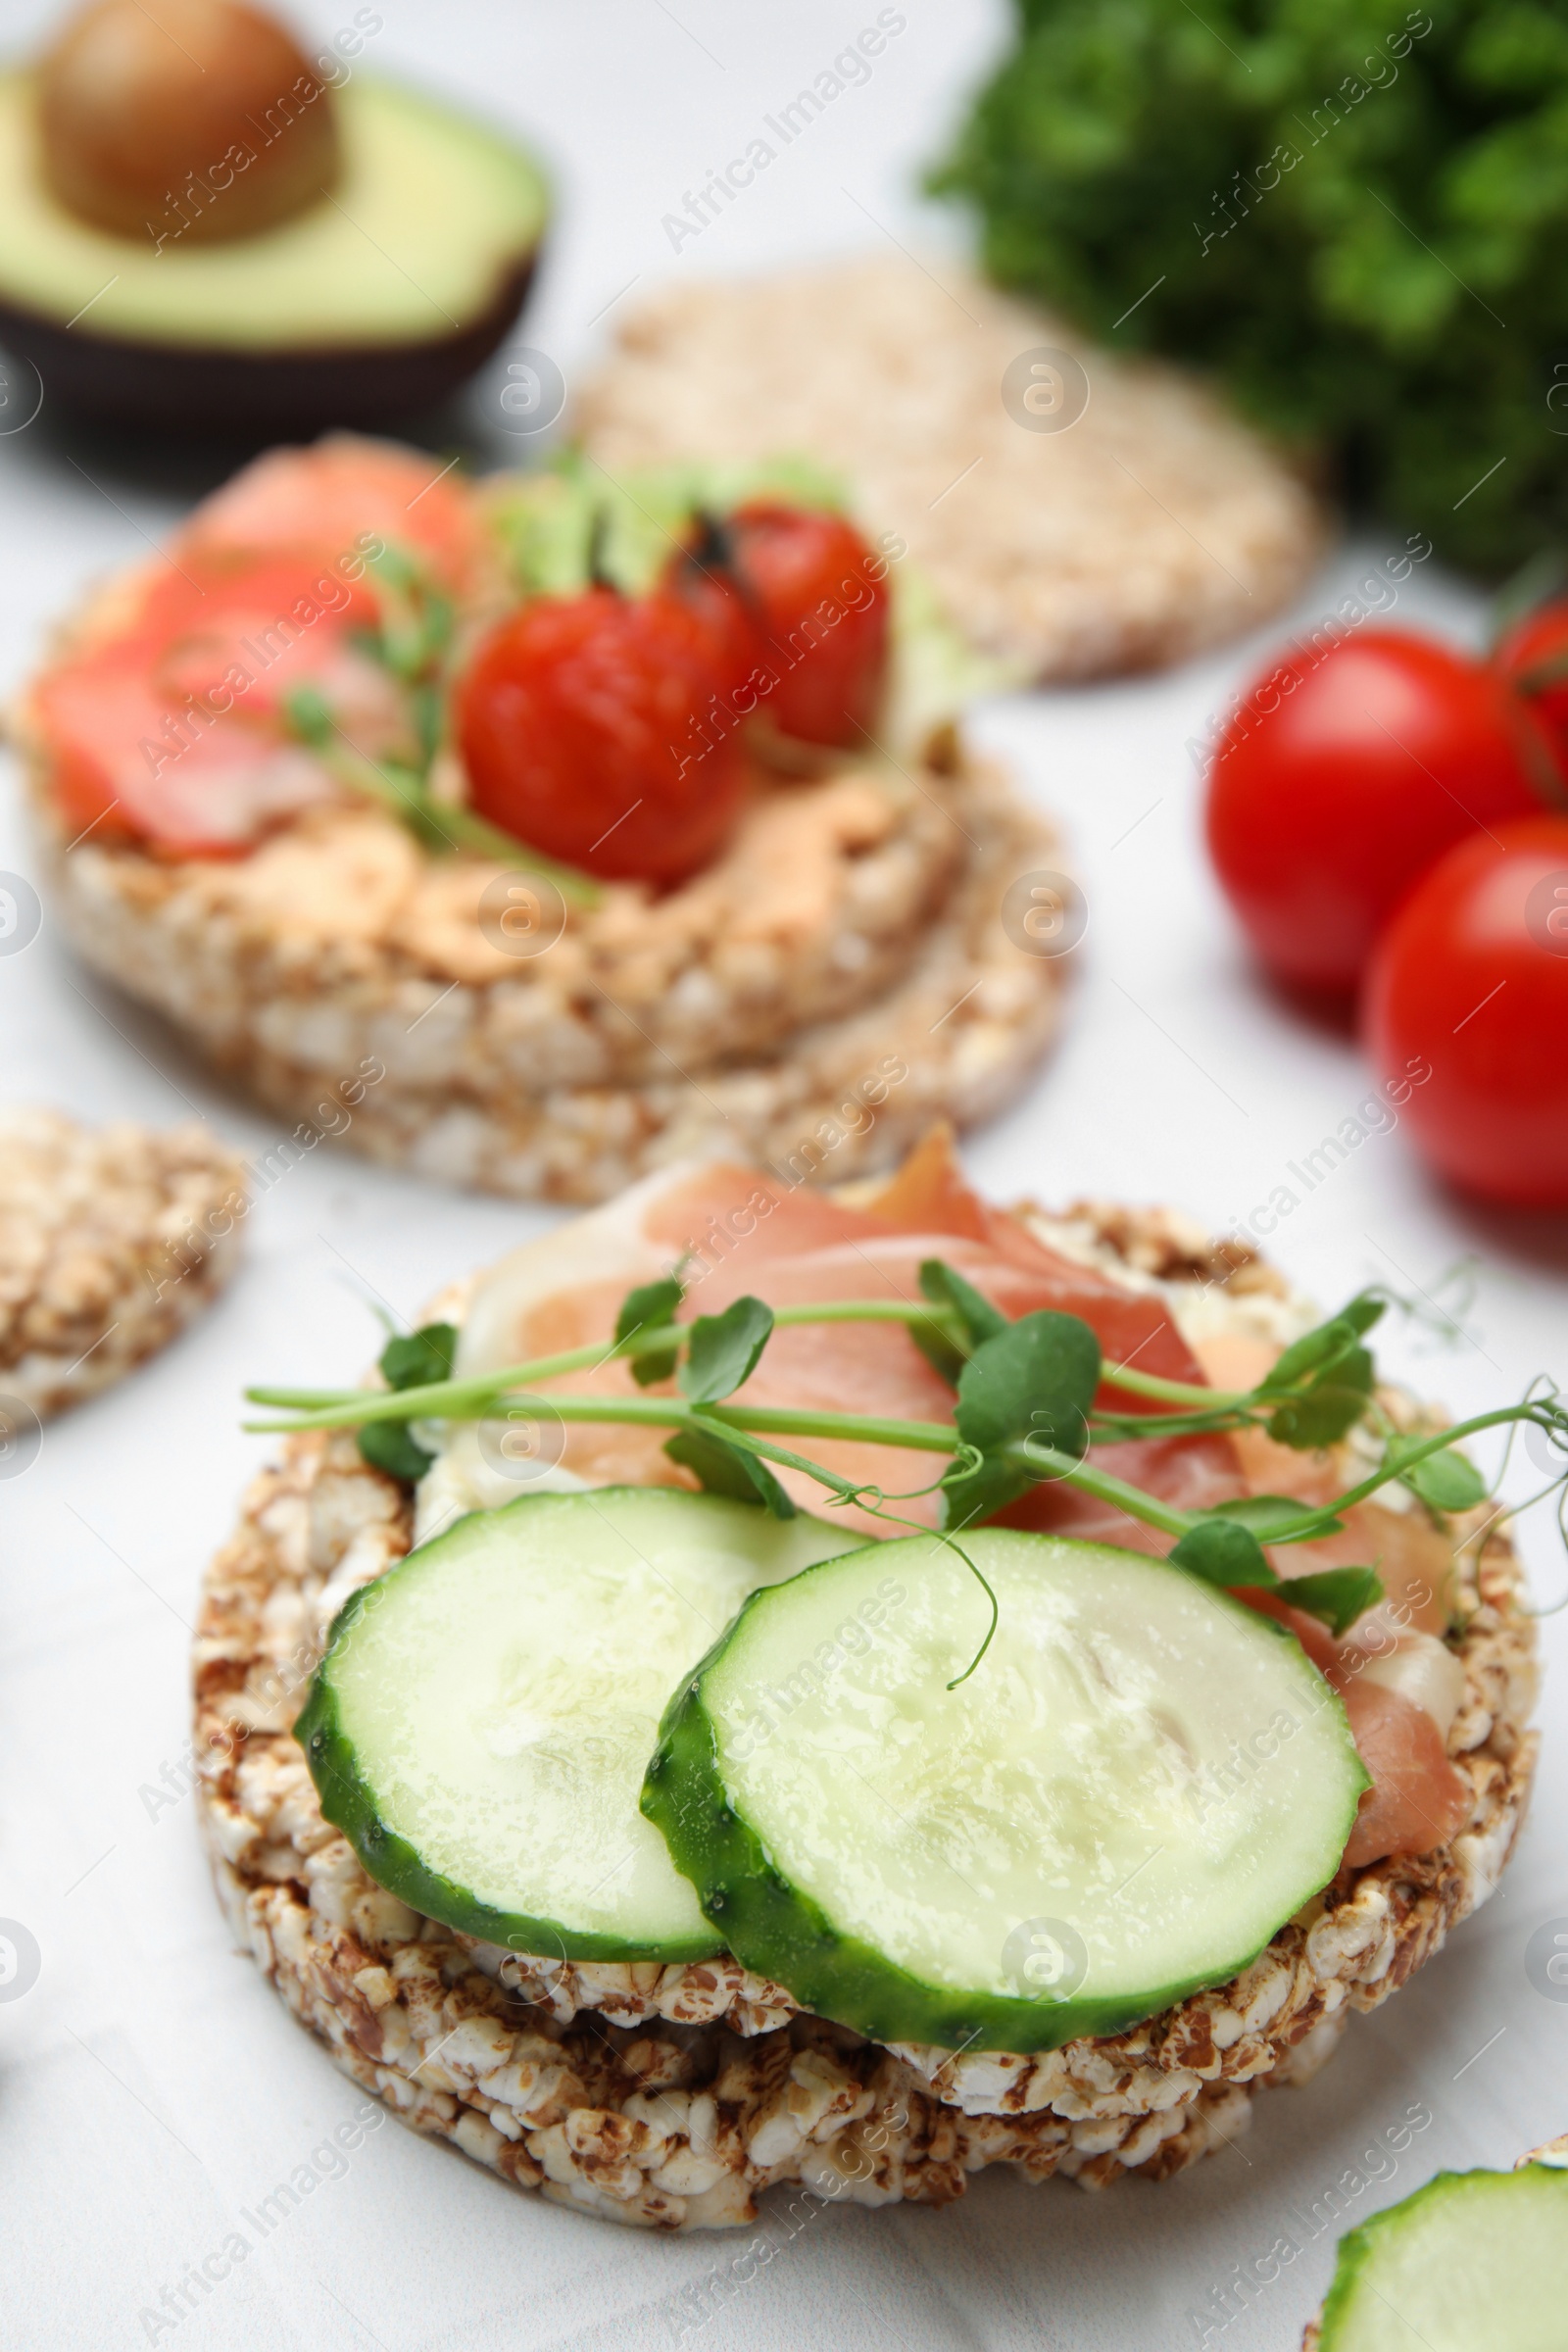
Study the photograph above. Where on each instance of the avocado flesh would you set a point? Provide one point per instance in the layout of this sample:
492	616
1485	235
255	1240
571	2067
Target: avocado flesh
373	305
432	215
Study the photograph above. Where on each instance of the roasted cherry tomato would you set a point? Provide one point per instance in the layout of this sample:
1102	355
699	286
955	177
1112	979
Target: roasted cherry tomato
588	727
1533	659
819	601
1339	781
1471	979
702	579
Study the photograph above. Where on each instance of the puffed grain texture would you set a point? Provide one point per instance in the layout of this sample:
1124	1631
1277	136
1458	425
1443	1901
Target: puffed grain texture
672	2097
112	1240
1153	526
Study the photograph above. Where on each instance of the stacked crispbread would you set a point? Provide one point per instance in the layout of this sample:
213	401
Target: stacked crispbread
843	975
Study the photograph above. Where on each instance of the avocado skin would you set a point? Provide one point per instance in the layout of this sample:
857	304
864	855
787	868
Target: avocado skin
232	395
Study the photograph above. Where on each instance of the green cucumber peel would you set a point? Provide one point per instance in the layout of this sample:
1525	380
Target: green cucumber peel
396	1865
522	1657
716	1755
1467	2259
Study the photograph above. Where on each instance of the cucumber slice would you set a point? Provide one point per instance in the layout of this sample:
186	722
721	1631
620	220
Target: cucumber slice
1473	2259
479	1725
1141	1782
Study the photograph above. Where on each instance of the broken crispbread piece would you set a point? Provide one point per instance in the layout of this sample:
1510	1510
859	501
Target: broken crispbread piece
112	1240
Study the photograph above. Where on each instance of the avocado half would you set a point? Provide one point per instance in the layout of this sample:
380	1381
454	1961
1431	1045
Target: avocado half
377	302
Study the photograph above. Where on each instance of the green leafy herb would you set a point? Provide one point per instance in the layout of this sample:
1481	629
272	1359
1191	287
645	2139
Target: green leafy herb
649	1308
1324	1380
1032	1384
411	641
977	1488
725	1468
723	1349
978	1318
410	1361
1444	1481
945	1285
1354	215
1024	1411
1339	1596
422	1356
390	1445
1023	1404
1222	1551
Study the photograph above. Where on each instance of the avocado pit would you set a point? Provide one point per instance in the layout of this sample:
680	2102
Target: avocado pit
207	230
204	120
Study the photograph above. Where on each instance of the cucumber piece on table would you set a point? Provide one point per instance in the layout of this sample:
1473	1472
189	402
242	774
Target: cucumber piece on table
1139	1785
1472	2260
480	1723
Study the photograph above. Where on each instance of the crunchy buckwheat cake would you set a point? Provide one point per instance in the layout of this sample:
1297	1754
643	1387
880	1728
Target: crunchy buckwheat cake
112	1240
671	2095
502	799
1153	526
853	925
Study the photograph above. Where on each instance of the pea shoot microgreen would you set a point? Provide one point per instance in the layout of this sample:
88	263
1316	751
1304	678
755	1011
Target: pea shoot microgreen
413	643
1028	1406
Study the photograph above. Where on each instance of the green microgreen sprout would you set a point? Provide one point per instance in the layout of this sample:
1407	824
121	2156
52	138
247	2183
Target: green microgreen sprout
1027	1409
412	642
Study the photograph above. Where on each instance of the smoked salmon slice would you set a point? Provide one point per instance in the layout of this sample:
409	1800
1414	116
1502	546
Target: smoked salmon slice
338	498
170	725
174	730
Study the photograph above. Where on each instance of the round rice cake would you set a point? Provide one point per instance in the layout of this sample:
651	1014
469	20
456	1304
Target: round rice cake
672	2097
1153	525
853	925
112	1240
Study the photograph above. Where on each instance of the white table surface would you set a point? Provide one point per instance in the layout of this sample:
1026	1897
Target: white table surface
151	2085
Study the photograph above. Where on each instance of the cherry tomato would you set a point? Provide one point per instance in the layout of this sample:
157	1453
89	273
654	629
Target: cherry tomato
1341	779
822	618
1533	659
701	578
587	725
1470	981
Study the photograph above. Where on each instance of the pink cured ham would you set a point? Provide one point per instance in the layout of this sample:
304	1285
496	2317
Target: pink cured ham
1418	1799
877	1369
736	1229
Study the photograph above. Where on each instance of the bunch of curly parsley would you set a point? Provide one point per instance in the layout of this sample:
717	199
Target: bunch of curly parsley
1355	213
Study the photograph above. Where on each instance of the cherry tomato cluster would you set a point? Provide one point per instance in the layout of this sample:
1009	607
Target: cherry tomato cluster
606	729
1390	822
